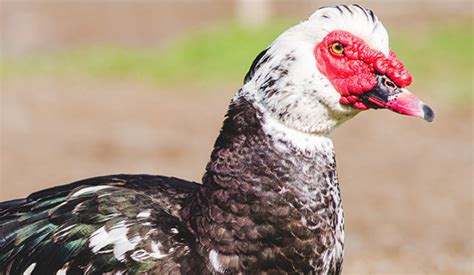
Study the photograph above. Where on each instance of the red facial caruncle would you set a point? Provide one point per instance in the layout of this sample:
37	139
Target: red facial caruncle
352	67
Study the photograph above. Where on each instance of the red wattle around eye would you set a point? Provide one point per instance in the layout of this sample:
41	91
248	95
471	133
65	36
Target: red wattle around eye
354	73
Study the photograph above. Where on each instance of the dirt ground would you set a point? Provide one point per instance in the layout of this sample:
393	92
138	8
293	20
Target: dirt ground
406	184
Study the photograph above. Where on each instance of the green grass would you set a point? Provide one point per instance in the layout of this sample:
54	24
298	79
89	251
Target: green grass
440	59
220	54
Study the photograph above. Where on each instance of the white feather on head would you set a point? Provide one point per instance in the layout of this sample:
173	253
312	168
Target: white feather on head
300	97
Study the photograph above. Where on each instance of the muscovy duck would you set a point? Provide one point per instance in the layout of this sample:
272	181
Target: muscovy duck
269	201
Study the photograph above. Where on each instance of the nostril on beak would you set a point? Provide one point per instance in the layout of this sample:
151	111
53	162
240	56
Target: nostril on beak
391	87
428	113
390	84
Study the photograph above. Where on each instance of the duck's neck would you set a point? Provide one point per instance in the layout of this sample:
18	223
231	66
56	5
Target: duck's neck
257	154
266	187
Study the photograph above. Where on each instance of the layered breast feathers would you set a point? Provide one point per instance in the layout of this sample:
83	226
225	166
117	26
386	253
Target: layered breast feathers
105	224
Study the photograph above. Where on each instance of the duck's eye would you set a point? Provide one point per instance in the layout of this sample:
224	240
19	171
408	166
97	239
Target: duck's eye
337	48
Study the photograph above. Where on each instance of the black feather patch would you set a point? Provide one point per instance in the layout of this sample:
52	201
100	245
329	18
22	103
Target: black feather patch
254	66
11	203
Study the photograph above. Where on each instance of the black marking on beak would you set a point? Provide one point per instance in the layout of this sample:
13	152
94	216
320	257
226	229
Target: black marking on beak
386	94
428	113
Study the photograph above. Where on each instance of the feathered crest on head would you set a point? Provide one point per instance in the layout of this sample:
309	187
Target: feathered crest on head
355	19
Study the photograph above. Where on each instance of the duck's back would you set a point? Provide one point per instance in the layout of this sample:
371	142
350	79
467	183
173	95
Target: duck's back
106	224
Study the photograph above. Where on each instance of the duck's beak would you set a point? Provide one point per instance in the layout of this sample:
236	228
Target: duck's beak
389	96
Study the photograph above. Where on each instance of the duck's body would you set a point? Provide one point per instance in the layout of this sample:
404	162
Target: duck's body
269	201
266	205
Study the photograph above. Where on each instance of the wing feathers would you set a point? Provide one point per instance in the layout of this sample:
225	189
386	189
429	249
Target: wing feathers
99	225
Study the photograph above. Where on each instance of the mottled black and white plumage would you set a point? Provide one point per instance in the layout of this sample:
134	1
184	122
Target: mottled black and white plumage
269	200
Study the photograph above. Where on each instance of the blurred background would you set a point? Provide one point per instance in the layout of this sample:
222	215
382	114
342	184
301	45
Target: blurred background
100	87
